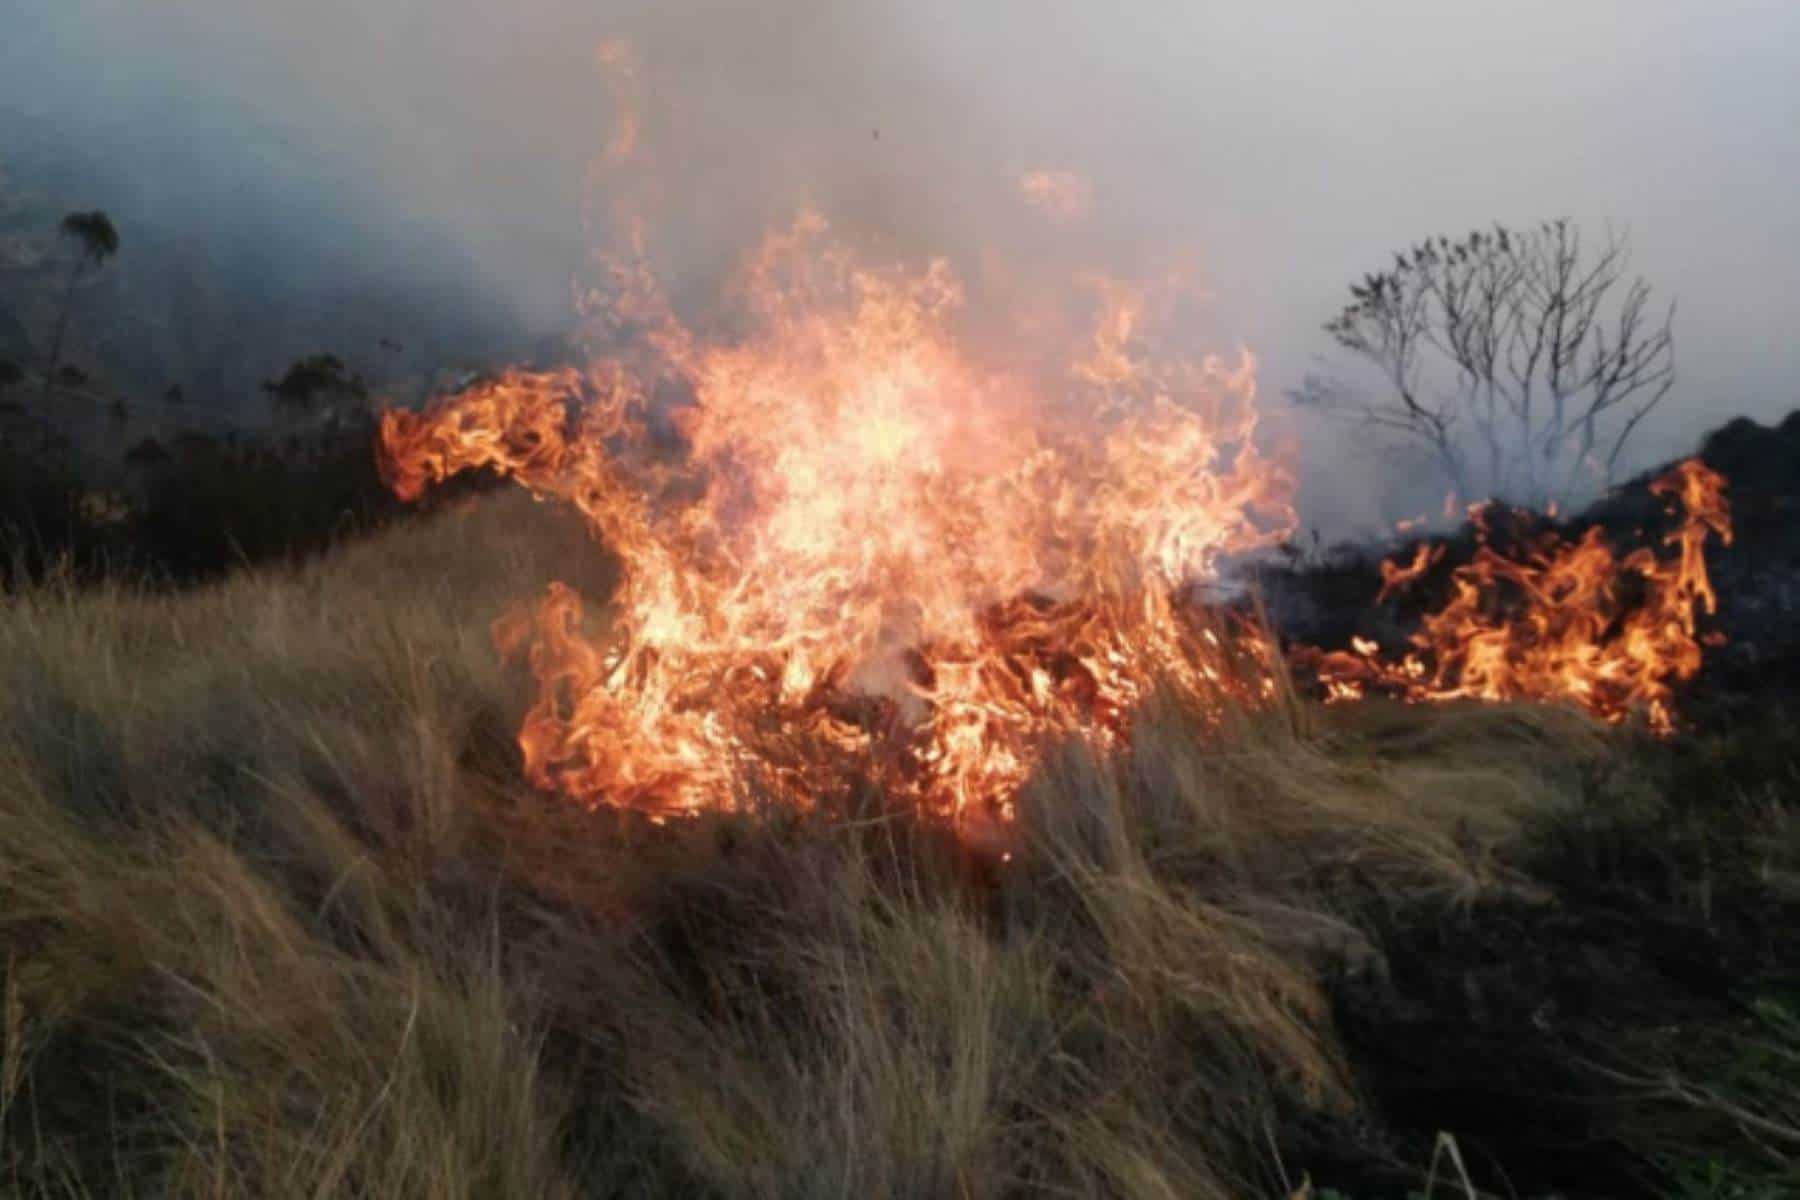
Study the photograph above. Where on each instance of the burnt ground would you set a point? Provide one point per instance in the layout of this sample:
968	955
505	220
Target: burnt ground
1623	1034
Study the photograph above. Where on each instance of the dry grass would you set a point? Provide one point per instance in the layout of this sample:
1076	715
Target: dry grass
276	919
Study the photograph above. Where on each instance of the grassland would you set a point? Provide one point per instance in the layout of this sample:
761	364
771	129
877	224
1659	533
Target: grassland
277	918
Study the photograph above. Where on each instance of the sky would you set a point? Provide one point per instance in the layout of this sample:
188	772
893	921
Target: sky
1284	148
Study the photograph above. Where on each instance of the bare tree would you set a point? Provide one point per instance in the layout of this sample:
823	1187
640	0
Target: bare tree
1520	360
98	241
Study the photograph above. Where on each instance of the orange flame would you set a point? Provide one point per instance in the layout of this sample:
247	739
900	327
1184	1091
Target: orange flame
1394	577
877	556
857	551
1608	634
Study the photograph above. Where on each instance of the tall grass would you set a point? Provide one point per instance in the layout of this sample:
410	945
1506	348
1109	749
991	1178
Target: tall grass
276	918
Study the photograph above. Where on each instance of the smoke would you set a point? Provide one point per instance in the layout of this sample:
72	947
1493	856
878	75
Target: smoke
1275	154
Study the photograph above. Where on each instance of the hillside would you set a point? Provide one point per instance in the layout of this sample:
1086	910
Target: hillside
278	917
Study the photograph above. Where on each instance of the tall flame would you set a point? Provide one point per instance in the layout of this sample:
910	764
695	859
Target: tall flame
872	553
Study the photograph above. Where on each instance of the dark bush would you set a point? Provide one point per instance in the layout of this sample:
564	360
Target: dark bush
40	515
219	505
194	507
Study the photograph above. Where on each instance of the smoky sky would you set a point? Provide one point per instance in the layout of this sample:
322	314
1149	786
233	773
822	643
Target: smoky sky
1284	149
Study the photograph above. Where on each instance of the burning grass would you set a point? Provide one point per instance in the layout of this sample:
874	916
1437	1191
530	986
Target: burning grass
280	919
908	558
871	556
1007	866
1569	618
867	539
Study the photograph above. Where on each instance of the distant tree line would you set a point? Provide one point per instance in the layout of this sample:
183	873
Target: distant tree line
188	505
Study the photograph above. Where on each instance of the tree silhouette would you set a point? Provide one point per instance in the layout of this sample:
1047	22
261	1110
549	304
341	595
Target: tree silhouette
98	241
319	385
1518	358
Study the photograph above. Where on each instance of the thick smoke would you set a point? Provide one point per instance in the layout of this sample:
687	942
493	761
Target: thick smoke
439	149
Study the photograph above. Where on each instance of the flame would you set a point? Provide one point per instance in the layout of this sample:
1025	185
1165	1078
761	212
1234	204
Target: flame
860	550
1609	634
1396	578
876	555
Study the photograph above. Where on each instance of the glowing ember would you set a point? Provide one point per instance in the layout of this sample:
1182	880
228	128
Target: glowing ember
1568	621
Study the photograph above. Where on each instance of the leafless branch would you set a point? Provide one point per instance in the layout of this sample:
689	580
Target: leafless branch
1529	348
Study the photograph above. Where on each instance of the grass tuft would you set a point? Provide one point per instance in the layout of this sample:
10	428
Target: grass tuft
276	918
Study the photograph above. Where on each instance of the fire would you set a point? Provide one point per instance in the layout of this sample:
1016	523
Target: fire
874	555
860	549
1566	620
1062	196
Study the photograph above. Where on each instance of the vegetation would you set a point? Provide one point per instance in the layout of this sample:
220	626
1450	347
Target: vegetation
186	510
164	493
277	918
97	241
190	506
319	386
1519	358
